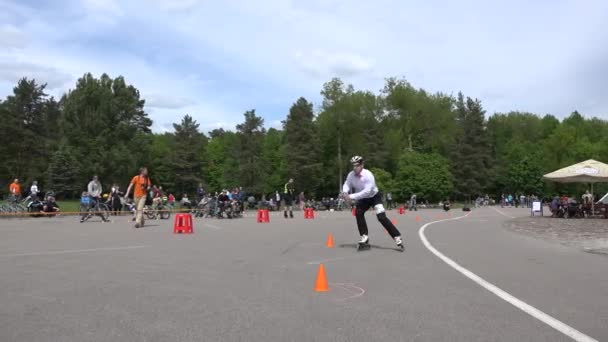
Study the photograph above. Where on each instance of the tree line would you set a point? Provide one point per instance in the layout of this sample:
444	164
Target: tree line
433	144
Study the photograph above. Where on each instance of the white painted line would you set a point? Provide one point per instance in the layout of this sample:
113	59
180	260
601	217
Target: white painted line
212	226
503	214
72	251
351	289
530	310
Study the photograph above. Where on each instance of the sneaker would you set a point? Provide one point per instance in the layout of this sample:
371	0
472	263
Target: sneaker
137	225
399	241
364	239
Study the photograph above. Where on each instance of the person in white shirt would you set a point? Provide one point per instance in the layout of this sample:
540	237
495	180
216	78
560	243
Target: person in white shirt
94	188
34	189
366	194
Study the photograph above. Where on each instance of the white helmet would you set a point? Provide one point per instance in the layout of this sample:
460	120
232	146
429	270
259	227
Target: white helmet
356	160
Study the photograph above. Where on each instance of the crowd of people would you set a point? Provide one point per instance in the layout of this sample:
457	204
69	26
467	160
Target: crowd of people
230	203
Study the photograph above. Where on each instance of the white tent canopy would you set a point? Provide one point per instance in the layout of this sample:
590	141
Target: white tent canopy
589	171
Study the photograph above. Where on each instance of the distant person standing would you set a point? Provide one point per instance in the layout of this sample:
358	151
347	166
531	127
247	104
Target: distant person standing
301	200
141	185
277	199
34	191
95	190
413	203
200	193
389	200
288	196
15	189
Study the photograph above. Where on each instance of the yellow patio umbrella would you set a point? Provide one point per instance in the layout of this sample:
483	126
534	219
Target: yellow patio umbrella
589	171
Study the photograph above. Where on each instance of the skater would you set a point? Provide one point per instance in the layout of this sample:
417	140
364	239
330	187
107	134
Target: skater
288	195
362	182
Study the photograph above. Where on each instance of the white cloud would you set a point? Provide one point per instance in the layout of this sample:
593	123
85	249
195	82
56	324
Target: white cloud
13	71
167	101
12	37
106	7
511	55
100	15
276	124
319	63
177	5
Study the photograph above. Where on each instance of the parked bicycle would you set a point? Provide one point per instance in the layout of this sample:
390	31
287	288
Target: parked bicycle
90	207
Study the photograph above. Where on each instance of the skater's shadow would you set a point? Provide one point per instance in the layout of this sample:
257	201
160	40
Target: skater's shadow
355	245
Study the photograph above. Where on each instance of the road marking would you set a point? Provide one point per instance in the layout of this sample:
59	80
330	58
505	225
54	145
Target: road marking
214	227
503	214
530	310
72	251
351	289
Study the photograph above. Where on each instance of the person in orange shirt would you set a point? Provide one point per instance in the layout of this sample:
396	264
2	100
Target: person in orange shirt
141	185
15	189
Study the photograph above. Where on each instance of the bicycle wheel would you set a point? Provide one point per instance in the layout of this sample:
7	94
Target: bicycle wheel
164	212
150	213
84	212
104	211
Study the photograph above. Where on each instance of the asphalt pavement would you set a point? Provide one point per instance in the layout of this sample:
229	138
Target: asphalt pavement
239	280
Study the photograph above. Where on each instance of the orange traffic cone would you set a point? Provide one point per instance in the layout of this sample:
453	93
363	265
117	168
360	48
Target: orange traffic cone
418	218
330	241
321	284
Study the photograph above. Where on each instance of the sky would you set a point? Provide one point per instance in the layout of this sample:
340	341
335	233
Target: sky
214	60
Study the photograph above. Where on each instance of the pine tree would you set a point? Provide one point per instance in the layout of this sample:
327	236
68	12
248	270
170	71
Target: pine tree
186	161
250	135
303	150
23	131
472	151
62	173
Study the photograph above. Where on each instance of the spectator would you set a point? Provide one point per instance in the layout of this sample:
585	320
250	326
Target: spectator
15	189
141	185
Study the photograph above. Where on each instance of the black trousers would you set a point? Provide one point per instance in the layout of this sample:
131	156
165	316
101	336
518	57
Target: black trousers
363	205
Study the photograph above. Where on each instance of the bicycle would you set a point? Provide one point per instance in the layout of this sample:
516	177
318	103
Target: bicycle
159	210
98	209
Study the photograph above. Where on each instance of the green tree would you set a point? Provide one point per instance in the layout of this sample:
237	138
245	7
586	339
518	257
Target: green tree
250	135
425	174
273	162
222	165
302	147
62	173
186	156
423	122
160	160
24	135
524	172
472	158
384	180
104	122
